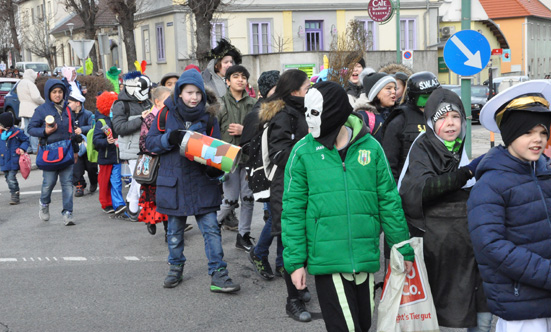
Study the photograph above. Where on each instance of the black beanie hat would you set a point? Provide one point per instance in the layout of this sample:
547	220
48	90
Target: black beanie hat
375	82
516	123
267	81
362	62
6	120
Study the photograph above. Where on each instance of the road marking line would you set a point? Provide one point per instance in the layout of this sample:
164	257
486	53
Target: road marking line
24	259
131	258
37	192
8	260
74	258
47	259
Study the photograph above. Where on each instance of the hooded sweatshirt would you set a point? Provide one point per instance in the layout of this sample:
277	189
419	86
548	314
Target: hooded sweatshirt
28	94
213	80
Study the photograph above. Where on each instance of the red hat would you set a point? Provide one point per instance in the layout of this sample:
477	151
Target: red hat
192	66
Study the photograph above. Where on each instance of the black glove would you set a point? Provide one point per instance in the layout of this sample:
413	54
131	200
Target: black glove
77	139
214	172
474	164
175	137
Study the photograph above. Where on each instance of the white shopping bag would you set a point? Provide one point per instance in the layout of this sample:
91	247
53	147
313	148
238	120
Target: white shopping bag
406	302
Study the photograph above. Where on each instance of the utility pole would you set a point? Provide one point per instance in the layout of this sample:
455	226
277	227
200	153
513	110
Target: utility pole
398	44
466	81
47	32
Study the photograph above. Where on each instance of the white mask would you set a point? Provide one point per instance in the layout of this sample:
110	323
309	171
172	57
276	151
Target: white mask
138	87
313	102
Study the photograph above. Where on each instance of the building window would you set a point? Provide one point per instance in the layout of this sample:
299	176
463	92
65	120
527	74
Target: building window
146	42
314	35
217	32
260	37
370	34
160	29
407	34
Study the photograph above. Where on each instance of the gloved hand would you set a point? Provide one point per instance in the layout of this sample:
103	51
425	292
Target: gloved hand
175	137
213	172
474	164
77	139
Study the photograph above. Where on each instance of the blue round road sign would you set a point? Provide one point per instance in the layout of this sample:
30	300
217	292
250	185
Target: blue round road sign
467	52
407	55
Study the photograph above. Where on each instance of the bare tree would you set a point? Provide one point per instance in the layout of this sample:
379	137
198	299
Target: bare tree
5	43
279	43
203	10
87	10
8	10
124	11
36	39
345	51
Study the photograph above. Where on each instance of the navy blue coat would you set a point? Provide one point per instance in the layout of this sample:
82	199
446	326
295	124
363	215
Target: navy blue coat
183	186
37	124
509	222
9	160
83	120
108	154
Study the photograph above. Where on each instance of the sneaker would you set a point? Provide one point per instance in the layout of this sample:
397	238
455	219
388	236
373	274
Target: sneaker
222	283
304	295
120	209
14	198
279	271
123	216
231	222
93	187
244	242
296	309
152	228
133	216
174	276
44	212
188	227
68	218
79	191
261	266
109	209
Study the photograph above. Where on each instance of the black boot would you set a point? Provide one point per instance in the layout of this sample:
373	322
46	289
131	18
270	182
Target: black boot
14	198
174	277
152	229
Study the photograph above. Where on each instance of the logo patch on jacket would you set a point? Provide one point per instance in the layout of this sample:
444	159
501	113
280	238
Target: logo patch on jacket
364	157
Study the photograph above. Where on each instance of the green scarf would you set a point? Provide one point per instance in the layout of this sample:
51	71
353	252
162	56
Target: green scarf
453	146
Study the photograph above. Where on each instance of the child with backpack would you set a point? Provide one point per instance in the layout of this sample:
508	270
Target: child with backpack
105	141
187	188
148	212
510	207
13	143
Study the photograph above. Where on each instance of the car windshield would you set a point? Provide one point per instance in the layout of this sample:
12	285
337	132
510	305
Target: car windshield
6	86
38	67
479	91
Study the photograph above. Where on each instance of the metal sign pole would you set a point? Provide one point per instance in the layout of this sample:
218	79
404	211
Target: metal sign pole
466	81
398	44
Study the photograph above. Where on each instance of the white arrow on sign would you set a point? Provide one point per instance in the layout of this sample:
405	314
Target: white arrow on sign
473	60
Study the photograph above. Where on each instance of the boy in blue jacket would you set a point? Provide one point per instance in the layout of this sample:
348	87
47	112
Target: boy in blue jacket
187	188
13	143
509	210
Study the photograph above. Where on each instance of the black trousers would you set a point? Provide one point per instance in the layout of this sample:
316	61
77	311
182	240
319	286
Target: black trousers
80	167
345	301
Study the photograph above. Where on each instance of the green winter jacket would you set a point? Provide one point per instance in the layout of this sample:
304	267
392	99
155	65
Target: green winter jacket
233	111
333	210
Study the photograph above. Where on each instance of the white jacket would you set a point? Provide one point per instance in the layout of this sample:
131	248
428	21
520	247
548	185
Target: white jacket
28	94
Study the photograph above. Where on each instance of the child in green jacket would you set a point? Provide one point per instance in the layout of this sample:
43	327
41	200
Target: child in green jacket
338	192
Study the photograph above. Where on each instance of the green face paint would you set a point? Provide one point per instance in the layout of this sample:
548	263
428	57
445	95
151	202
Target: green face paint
422	100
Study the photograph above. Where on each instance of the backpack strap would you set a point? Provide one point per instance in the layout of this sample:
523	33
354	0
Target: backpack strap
70	120
161	119
210	125
371	119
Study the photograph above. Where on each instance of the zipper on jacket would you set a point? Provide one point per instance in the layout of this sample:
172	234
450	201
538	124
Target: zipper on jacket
541	194
348	217
516	287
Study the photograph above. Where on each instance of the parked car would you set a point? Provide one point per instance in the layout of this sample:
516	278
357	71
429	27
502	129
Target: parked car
11	102
504	82
479	97
39	67
6	84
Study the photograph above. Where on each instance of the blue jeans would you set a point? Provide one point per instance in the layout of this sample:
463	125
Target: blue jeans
13	185
49	182
262	248
33	140
211	234
484	322
116	186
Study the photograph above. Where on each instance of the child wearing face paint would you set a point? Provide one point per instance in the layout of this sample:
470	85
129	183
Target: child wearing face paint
434	186
338	193
510	207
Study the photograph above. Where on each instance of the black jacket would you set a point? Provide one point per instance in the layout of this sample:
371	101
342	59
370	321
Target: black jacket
286	127
399	131
108	154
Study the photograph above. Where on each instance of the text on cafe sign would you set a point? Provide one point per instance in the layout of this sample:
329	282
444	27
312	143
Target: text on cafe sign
380	10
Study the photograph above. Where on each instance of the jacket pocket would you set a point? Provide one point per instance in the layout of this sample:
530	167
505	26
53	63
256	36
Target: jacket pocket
315	243
167	192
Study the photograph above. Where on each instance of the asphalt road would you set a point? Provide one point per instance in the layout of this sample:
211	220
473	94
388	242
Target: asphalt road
107	275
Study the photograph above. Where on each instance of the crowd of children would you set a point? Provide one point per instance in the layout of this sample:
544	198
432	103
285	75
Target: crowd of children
386	153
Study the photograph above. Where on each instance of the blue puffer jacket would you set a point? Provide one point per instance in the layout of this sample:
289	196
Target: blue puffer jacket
9	160
37	124
183	186
509	222
83	120
108	154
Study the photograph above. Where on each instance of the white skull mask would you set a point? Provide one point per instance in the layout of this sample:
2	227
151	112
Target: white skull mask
138	87
313	103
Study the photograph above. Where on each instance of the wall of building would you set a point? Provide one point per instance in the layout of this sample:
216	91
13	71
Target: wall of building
538	48
513	29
